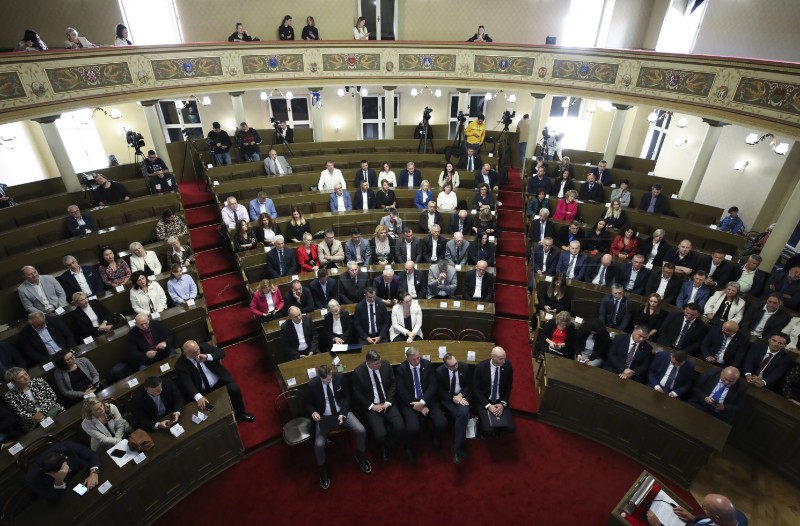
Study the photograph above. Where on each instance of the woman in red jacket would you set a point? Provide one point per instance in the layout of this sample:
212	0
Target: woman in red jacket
307	258
267	302
567	208
625	244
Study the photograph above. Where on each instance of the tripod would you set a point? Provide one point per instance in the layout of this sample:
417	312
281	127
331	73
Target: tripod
458	142
503	148
425	138
281	141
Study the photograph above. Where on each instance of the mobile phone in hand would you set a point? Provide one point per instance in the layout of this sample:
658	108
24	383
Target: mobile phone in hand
209	406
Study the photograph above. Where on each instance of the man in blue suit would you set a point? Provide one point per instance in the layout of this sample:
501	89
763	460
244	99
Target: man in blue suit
572	263
340	199
671	374
262	205
630	356
357	249
410	177
694	291
323	289
80	278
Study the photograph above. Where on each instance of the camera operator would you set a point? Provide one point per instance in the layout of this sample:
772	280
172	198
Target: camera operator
160	180
220	143
284	134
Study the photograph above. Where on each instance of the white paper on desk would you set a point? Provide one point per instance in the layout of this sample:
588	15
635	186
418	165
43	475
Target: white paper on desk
281	322
16	448
47	422
481	306
363	269
190	302
131	323
578	320
458	267
80	489
141	457
334	270
216	183
155	315
470	356
456	304
88	231
48	366
443	305
291	382
339	347
664	511
119	288
122	445
712	227
323	312
105	486
728	257
311	372
133	382
426	357
164	367
674	196
60	311
473	211
336	360
88	340
548	316
442	351
295	276
649	266
176	430
548	279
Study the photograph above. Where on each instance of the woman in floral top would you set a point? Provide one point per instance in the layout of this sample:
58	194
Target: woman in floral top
113	273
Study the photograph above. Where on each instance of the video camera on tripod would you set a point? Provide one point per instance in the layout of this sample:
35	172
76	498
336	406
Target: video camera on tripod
461	117
426	115
506	118
136	141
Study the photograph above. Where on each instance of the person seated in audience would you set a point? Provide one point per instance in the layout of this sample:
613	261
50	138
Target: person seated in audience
297	226
556	297
157	404
276	164
724	345
654	249
160	180
364	198
31	399
80	278
694	291
357	249
220	143
471	161
791	385
539	182
565	166
298	296
492	383
482	250
602	174
665	283
329	177
764	318
307	255
387	287
170	224
330	250
654	202
483	197
177	253
381	246
615	217
442	280
536	162
262	205
410	177
732	222
266	230
121	34
393	223
52	472
408	247
650	315
336	327
181	286
352	285
449	175
5	200
622	194
591	343
31	41
145	261
429	217
76	378
281	261
406	324
633	276
40	293
572	263
372	319
478	284
592	191
671	374
91	317
146	296
244	239
461	222
323	288
104	424
387	174
454	383
423	196
596	239
629	357
563	184
109	192
385	198
486	176
683	331
412	281
726	305
149	342
787	284
114	272
267	303
719	392
241	34
480	36
543	260
616	310
299	335
247	140
447	199
457	250
340	200
539	202
44	337
752	279
486	223
79	224
365	174
558	336
625	244
567	209
685	260
433	245
233	212
569	233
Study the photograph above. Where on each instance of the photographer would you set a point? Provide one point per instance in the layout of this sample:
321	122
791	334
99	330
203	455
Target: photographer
284	134
220	143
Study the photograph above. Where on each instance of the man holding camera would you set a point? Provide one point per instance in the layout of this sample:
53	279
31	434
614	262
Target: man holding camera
284	134
220	142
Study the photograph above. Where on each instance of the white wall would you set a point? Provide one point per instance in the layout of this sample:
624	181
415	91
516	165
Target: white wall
629	22
24	155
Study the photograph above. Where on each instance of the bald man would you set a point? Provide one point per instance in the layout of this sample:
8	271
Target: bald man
149	341
724	345
719	392
492	384
718	509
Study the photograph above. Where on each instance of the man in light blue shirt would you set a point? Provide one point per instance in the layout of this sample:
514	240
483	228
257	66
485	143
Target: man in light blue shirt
262	205
181	286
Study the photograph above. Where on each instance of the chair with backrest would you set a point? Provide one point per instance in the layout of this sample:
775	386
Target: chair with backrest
442	333
471	335
290	407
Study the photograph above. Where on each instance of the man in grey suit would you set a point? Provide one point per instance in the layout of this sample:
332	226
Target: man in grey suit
276	164
357	249
442	280
40	293
408	247
457	250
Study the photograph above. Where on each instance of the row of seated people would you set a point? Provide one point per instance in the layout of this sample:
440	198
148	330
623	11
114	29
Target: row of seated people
666	366
80	224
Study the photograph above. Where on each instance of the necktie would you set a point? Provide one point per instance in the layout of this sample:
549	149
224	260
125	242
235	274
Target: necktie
469	164
372	318
461	225
389	295
280	261
331	399
571	268
716	395
541	229
629	359
764	363
496	385
452	383
590	187
365	175
671	379
721	354
417	385
601	280
616	310
324	292
726	311
379	386
684	329
203	377
458	254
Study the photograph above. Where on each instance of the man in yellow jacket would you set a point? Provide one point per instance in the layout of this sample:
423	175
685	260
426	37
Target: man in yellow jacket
475	133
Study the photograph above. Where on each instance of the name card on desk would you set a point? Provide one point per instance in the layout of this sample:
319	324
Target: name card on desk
215	183
363	269
548	279
492	239
151	278
80	489
90	298
133	382
190	303
88	340
613	186
141	457
60	311
131	323
88	231
336	360
456	304
728	257
312	373
608	205
481	306
231	226
164	368
16	448
323	312
48	366
291	382
47	422
426	357
199	418
105	486
267	249
548	316
712	227
442	351
674	196
578	320
458	267
295	276
443	305
119	288
334	270
176	430
649	266
473	211
155	315
470	356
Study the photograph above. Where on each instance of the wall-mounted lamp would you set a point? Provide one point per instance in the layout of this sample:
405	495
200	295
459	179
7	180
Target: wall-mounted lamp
509	98
657	116
179	104
114	114
681	142
590	108
739	166
780	148
683	122
265	96
437	93
337	124
352	90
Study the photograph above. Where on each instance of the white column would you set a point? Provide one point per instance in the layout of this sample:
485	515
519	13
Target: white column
59	151
533	133
388	101
614	135
692	185
784	228
316	118
156	133
238	107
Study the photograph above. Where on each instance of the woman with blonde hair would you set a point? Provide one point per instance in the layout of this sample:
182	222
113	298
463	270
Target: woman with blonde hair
104	424
267	303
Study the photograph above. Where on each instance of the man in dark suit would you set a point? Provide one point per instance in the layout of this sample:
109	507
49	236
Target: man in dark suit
684	258
43	337
300	297
717	269
323	289
653	202
48	474
539	180
488	176
724	345
429	217
80	278
601	271
629	357
591	190
365	174
461	222
83	322
431	254
387	287
374	390
412	282
671	374
291	330
683	330
418	400
79	224
694	291
280	260
719	392
352	284
567	234
200	371
633	276
602	174
361	195
666	283
328	405
615	309
766	363
752	279
541	228
787	284
408	247
454	384
492	384
470	162
545	258
765	318
149	341
372	319
157	404
410	177
478	292
572	263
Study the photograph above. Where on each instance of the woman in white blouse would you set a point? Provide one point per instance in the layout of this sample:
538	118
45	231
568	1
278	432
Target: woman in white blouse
360	31
387	174
104	424
147	297
144	260
406	321
717	303
449	175
447	200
